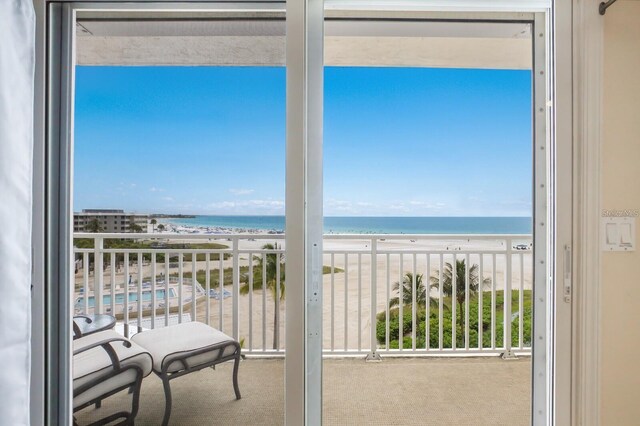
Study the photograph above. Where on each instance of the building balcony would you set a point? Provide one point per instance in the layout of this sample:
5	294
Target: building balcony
397	391
237	283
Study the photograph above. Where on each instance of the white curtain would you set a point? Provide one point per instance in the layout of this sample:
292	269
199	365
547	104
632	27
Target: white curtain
17	61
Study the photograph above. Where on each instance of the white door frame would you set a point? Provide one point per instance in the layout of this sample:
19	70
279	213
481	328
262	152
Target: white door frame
54	187
552	150
304	196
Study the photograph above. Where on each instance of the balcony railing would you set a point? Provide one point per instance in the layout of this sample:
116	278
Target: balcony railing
460	294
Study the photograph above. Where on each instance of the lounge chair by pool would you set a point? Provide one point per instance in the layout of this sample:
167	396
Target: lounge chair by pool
215	294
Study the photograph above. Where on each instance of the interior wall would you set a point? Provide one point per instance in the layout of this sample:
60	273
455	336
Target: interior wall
620	285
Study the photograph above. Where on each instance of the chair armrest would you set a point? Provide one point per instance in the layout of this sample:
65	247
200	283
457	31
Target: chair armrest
87	318
106	345
76	329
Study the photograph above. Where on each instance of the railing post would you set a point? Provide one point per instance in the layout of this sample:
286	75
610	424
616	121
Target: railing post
373	354
508	352
236	288
98	278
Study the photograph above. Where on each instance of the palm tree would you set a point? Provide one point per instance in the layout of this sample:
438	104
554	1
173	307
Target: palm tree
271	283
93	226
407	291
134	227
447	283
161	227
153	224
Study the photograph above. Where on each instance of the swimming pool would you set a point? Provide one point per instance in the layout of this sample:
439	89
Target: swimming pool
133	298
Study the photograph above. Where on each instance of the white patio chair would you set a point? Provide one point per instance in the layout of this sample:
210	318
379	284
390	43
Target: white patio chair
104	364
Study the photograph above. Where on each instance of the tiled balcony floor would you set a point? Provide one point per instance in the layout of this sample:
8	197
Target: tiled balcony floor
406	391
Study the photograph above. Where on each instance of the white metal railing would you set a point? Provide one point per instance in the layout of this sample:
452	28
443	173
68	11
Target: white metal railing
238	287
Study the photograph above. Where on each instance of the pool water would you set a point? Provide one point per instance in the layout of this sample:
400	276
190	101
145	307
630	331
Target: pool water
133	298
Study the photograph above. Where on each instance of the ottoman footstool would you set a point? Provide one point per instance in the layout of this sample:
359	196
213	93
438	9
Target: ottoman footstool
181	349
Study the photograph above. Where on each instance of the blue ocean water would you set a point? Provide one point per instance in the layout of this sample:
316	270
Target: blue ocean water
375	225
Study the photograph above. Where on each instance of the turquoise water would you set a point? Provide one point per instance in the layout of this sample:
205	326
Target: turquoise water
133	298
375	225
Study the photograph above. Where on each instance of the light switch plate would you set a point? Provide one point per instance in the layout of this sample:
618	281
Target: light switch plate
618	233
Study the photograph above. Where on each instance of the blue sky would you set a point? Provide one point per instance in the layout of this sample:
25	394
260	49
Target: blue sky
211	140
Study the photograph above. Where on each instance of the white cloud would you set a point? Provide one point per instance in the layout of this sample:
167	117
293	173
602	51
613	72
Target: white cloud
154	189
241	191
167	198
122	188
222	205
338	207
425	205
257	207
399	207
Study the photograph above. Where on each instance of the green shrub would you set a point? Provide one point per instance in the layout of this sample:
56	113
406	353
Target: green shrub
447	324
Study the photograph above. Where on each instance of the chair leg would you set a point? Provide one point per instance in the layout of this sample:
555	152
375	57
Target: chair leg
167	397
112	418
135	397
236	364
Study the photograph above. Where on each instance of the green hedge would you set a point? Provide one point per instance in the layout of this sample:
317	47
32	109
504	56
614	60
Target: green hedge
84	243
447	323
214	275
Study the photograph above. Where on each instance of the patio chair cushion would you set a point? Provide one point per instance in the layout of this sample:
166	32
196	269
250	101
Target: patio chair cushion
169	344
95	363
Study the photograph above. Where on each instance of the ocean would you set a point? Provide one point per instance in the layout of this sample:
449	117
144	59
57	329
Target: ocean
374	225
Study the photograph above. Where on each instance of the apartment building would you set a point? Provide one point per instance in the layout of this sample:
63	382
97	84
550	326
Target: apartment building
109	220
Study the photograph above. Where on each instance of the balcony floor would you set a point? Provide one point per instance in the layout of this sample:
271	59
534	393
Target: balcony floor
407	391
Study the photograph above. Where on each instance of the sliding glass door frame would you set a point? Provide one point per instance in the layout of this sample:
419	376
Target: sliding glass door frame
58	179
551	354
304	195
304	198
552	187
